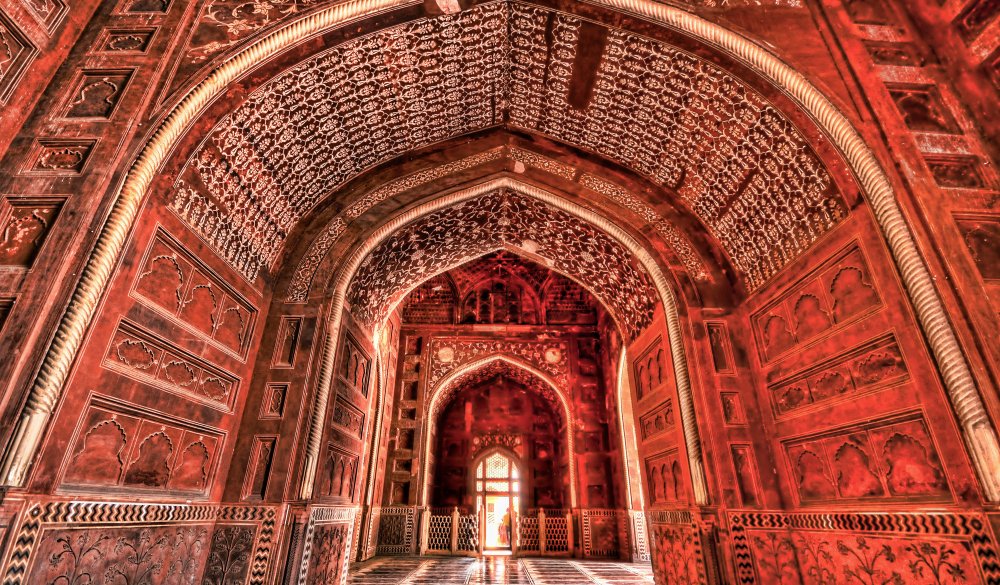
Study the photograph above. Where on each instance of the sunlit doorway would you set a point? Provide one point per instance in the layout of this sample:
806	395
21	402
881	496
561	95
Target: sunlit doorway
497	501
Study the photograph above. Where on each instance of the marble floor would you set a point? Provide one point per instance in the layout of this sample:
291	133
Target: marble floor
496	571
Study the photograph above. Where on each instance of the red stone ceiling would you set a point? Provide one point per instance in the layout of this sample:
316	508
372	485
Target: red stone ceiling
737	164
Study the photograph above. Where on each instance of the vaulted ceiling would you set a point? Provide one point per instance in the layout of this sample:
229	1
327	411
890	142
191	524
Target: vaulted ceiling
728	155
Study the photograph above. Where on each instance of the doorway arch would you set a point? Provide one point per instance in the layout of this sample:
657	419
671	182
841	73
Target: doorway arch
439	395
642	256
498	480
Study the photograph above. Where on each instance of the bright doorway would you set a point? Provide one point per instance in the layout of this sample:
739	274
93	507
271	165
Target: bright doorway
498	489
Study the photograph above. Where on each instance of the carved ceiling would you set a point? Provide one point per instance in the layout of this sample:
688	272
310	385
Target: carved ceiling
455	235
741	167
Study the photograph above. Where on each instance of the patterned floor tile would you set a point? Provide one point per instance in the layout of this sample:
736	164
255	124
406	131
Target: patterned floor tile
496	571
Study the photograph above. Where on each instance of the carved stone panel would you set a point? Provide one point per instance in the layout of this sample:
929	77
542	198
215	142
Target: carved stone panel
176	283
273	403
665	479
354	366
141	355
897	54
657	421
60	157
49	13
125	40
231	554
287	342
339	473
863	369
650	369
747	481
676	555
24	225
327	559
839	291
16	53
975	17
120	448
876	461
982	237
258	472
922	109
120	554
96	94
349	417
936	547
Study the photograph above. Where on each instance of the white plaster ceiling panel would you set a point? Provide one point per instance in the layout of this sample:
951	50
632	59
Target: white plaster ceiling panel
741	167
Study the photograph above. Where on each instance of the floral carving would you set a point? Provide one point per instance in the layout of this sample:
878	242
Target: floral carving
450	237
817	557
674	554
171	555
723	148
460	352
228	561
329	546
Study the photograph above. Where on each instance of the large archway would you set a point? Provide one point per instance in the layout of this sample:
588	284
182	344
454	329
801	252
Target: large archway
756	270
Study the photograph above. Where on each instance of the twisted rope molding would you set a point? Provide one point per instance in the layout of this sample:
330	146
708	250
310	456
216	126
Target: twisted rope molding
436	392
979	435
324	381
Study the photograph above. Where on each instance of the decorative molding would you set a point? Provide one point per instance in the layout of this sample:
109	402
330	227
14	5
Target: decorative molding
298	288
678	242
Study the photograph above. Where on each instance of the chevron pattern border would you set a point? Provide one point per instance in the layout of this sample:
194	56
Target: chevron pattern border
326	515
39	515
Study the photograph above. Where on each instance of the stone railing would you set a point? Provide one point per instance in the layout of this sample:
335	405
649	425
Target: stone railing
453	533
580	532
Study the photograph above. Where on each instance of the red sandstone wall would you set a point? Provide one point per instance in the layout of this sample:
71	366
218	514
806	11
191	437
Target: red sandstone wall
170	383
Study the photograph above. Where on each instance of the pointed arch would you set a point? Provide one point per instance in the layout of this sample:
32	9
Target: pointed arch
639	252
454	379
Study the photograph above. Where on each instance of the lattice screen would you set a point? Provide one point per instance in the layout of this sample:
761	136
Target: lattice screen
439	535
468	533
529	534
556	534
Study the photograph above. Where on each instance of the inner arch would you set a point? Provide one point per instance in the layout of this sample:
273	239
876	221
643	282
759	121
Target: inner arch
502	219
481	371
